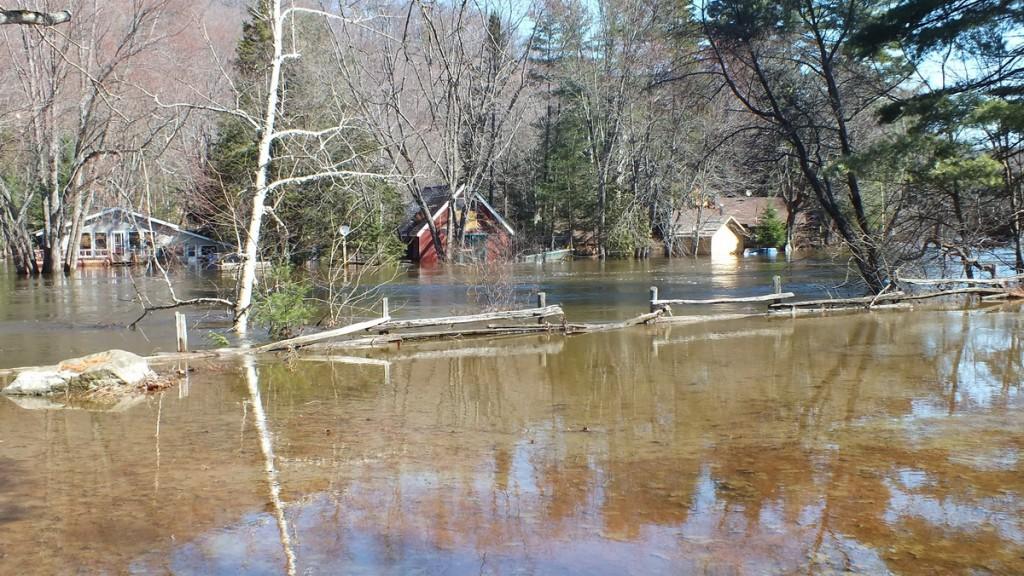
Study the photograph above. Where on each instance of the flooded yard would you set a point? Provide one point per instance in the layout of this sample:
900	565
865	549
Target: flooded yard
45	319
875	443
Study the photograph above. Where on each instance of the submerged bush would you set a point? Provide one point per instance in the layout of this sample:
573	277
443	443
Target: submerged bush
286	305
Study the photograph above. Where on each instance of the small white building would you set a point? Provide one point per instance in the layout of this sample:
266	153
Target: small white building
121	236
713	235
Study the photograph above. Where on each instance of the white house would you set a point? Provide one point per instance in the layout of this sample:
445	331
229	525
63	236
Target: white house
121	236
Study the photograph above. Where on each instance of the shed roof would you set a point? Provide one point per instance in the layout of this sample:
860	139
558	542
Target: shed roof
747	210
710	222
435	198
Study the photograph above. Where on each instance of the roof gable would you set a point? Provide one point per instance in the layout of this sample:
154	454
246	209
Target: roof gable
437	200
136	217
709	225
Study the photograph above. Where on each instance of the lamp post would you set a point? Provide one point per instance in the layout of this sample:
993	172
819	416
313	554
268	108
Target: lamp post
344	230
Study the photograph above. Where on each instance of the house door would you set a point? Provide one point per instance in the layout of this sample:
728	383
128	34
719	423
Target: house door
118	243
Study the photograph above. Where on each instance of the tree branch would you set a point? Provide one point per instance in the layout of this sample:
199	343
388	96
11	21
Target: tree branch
32	18
178	304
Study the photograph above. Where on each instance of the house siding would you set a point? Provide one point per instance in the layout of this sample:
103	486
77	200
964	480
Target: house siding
117	236
725	243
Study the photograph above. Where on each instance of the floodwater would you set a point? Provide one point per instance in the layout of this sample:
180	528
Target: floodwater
44	320
875	443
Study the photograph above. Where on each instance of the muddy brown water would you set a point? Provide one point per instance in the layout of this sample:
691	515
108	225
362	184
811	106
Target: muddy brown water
46	319
873	444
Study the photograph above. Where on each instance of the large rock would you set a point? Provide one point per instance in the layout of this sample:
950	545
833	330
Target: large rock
39	382
106	369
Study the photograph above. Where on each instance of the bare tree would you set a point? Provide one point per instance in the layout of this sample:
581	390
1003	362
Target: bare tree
73	90
441	87
266	126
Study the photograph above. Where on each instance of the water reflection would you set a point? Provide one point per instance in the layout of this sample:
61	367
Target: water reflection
769	446
259	416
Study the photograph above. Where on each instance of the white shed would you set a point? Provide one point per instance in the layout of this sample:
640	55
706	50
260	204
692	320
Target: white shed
716	236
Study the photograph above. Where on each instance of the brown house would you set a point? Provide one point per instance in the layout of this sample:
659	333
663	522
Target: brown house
748	210
488	235
727	225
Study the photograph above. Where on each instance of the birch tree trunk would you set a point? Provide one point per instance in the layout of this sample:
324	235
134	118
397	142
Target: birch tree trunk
15	232
243	299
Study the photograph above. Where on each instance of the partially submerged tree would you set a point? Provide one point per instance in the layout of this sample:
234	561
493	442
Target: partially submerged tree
440	86
788	64
770	231
267	185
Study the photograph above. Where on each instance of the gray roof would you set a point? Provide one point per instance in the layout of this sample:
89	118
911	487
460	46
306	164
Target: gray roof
710	222
436	197
135	218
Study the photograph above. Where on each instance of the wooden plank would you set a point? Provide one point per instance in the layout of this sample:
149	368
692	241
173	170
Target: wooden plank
321	336
765	298
371	341
956	292
840	301
894	297
603	326
795	312
933	281
181	327
708	318
553	310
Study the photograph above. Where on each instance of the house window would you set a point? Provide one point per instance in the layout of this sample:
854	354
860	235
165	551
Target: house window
191	251
86	242
476	242
133	241
101	240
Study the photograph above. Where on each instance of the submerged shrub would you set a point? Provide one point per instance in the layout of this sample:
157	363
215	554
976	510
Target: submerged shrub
286	305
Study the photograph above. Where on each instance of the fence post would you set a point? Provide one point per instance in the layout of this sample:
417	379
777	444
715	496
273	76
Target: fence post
777	284
181	327
654	298
542	302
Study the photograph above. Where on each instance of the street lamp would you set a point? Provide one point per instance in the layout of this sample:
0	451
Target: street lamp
344	230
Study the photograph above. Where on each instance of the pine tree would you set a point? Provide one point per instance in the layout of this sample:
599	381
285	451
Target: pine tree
770	231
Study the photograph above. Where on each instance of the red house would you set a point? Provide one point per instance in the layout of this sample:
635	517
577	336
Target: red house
488	235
